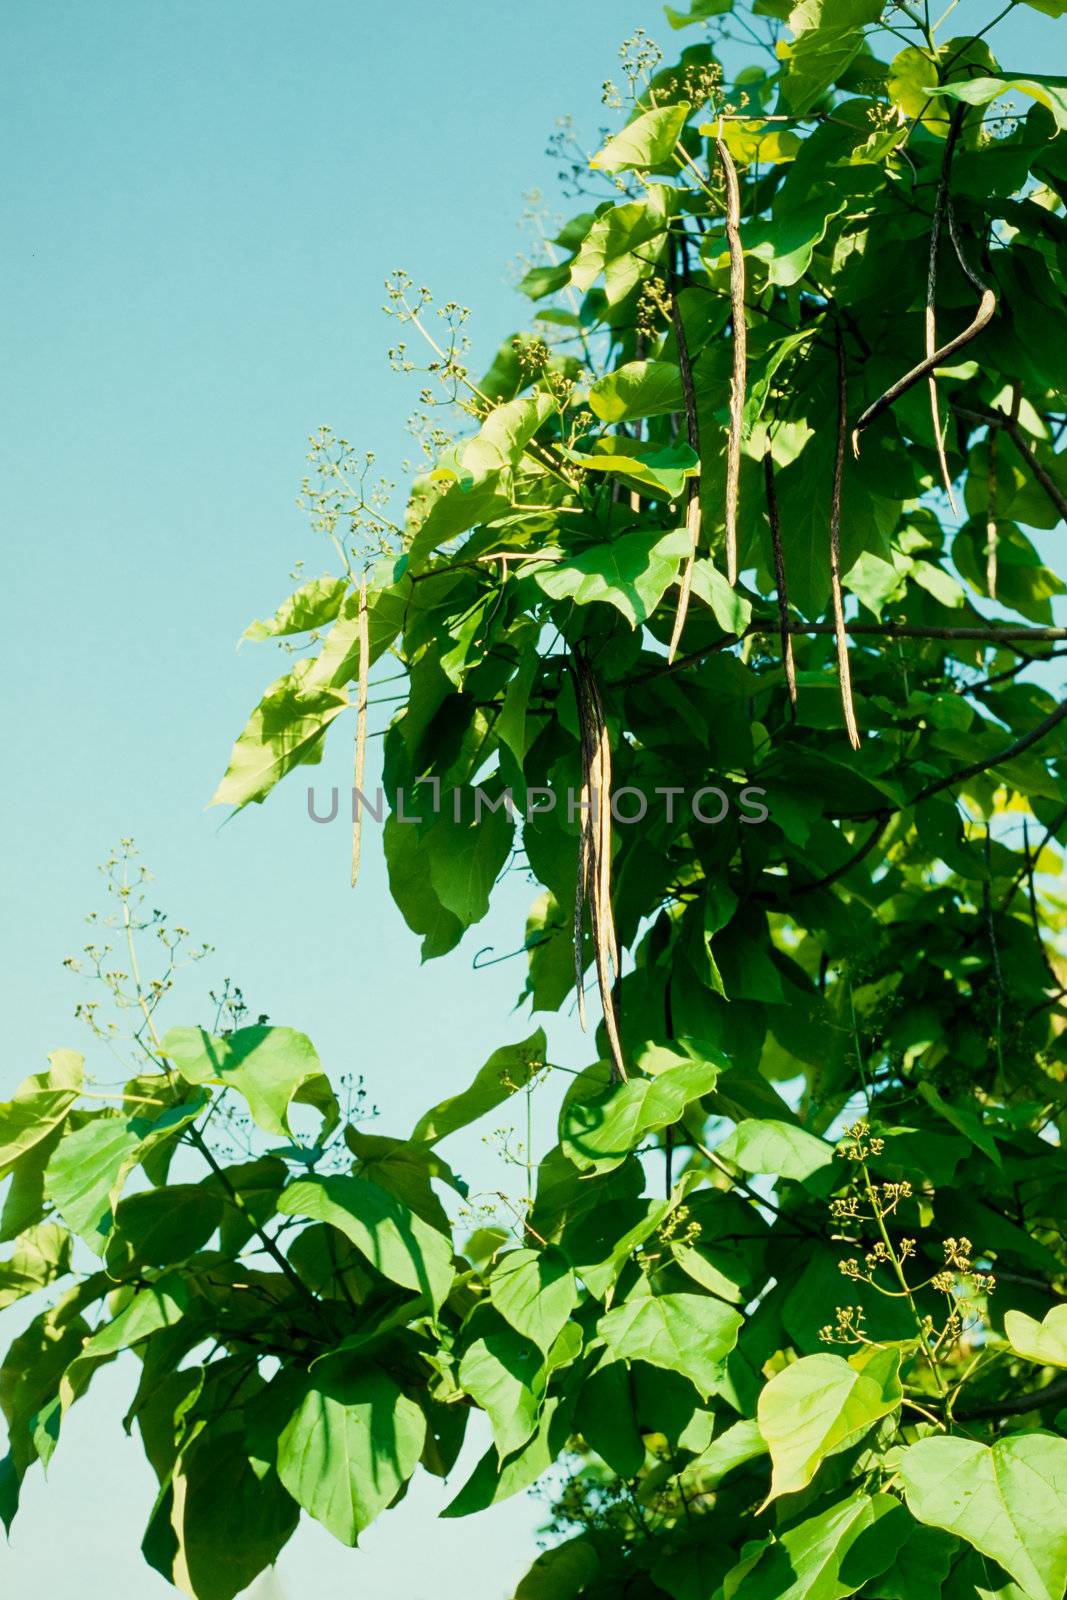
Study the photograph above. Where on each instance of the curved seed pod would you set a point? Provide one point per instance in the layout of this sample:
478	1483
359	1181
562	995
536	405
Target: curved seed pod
987	306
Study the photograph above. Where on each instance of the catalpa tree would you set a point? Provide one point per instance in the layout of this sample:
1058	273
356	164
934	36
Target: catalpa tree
760	505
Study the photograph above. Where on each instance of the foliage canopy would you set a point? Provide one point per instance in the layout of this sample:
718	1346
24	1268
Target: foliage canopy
751	527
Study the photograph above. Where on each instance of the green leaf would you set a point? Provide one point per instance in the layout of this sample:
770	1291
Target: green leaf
912	75
394	1240
270	1067
637	389
535	1291
505	433
85	1176
314	604
728	605
413	892
163	1226
632	573
1044	1342
161	1305
1009	1500
493	1481
734	1447
965	1119
501	1370
821	1405
41	1255
647	141
687	1333
828	1557
624	244
981	91
920	1566
41	1103
829	34
465	858
598	1134
508	1069
875	581
789	239
349	1447
286	728
660	467
213	1544
561	1573
607	1422
778	1148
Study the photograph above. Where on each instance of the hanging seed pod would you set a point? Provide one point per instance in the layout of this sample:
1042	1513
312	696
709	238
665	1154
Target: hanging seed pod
594	859
844	673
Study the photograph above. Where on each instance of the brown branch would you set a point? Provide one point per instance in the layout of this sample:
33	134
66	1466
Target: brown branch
1053	1394
844	673
1017	749
692	506
740	333
885	630
779	579
882	818
1000	419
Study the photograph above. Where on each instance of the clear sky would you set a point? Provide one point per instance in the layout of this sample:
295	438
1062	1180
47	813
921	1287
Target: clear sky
202	200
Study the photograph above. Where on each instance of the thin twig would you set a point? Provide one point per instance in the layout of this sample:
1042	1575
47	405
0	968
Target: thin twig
843	671
995	418
887	630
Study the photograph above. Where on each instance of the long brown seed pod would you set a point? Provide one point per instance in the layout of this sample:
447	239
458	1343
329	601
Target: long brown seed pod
363	638
844	673
936	227
991	530
594	858
982	316
779	579
692	504
602	822
740	331
585	843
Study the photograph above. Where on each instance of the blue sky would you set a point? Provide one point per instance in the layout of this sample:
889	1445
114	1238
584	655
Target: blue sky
202	202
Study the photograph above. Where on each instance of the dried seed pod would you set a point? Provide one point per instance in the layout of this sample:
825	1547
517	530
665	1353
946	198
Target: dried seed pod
844	673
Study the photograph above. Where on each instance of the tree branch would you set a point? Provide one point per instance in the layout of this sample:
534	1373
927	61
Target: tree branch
1053	1394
